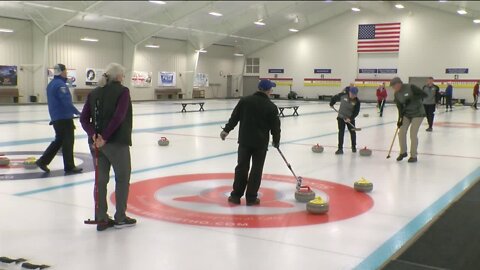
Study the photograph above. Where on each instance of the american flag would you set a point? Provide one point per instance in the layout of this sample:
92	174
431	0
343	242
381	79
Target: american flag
380	37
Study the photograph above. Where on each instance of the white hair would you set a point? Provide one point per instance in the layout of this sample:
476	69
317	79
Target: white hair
111	74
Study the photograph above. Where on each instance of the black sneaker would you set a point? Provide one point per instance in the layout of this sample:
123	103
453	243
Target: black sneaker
42	166
252	203
127	222
73	170
412	160
233	200
354	149
339	152
103	226
402	156
429	129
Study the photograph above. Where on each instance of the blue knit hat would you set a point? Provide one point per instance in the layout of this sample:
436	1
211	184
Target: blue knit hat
354	91
266	85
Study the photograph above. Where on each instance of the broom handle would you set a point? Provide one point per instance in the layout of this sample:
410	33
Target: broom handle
393	141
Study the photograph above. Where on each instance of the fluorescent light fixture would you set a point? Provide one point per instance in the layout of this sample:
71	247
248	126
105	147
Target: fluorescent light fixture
89	39
399	6
158	2
4	30
64	9
259	22
355	9
152	46
462	11
293	30
201	51
476	21
216	14
442	1
238	54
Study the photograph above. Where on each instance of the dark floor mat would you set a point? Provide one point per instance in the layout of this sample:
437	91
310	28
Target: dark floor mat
399	265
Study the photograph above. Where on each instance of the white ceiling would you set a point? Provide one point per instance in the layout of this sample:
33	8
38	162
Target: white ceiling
189	20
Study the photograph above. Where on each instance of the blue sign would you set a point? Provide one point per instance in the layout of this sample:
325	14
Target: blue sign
387	71
322	70
368	70
275	70
456	71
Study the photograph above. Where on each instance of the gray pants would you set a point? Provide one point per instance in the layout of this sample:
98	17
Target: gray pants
415	123
118	157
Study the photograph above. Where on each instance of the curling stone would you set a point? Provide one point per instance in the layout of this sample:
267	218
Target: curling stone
317	206
363	185
365	152
163	141
366	115
317	148
29	163
305	194
4	161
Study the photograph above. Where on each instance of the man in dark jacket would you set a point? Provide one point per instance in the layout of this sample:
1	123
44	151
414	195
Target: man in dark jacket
408	98
430	101
61	111
258	117
349	109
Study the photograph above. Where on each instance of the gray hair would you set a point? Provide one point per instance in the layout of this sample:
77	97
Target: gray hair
111	74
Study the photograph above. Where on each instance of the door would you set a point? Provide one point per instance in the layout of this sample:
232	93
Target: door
250	85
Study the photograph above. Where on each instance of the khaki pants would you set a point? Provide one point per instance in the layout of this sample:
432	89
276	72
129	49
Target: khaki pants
402	135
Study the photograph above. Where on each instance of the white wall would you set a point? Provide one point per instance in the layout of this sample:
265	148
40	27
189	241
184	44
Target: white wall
430	42
218	59
16	49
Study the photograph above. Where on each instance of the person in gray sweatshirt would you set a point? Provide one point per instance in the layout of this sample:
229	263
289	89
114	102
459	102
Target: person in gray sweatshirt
349	109
430	101
408	98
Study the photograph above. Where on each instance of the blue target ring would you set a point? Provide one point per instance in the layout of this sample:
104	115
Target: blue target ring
87	165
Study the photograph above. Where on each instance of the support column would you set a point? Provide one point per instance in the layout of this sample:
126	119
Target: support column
191	67
40	59
129	51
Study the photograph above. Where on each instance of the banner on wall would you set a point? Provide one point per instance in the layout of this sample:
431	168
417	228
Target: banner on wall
142	79
93	75
200	80
8	75
71	76
167	78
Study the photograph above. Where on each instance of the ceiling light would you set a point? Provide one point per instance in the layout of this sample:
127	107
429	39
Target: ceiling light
442	1
158	2
215	14
293	30
152	46
260	22
238	54
89	39
462	11
476	21
399	6
355	9
3	30
201	51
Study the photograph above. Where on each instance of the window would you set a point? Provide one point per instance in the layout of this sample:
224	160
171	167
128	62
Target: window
252	66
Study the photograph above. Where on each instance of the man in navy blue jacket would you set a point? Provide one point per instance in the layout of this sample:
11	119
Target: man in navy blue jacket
61	111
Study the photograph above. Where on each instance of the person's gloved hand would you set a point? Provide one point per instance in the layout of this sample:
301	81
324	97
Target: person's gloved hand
276	144
400	122
223	135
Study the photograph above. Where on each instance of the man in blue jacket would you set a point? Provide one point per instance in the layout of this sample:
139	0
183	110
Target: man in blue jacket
61	111
449	96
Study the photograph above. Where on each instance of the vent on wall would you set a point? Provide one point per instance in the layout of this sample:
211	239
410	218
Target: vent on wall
252	66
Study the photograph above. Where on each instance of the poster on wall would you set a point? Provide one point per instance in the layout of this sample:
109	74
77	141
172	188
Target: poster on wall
142	79
92	76
200	80
71	77
167	78
8	75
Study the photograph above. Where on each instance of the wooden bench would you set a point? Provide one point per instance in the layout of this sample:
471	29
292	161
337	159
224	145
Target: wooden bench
81	93
169	92
275	96
198	93
295	110
325	97
184	106
10	93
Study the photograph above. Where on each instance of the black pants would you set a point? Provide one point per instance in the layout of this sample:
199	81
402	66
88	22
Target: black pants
475	101
449	102
64	138
341	132
242	179
430	111
381	105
